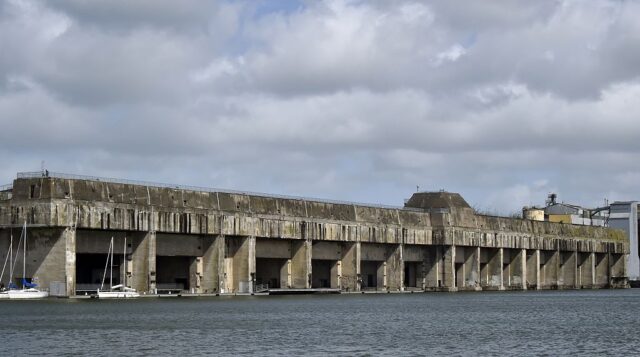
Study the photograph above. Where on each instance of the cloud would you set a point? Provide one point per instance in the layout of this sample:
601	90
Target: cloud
352	100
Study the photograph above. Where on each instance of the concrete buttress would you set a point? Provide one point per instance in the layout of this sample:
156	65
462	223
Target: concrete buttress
69	236
350	266
395	268
301	264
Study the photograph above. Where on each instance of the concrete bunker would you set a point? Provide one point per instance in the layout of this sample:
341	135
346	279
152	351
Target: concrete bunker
549	269
282	263
273	259
567	269
178	263
433	267
381	266
92	248
585	278
372	272
90	270
414	265
45	249
514	268
372	266
239	266
326	264
617	264
532	266
601	266
491	268
467	268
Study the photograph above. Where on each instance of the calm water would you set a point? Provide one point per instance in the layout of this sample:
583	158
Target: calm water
508	323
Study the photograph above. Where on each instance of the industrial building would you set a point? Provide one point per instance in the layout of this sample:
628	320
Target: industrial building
561	212
621	215
211	241
624	216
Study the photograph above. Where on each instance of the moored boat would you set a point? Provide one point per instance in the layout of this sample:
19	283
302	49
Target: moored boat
29	289
27	293
120	291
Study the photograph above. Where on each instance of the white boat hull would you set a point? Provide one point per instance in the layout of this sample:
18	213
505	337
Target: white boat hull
117	294
4	295
27	294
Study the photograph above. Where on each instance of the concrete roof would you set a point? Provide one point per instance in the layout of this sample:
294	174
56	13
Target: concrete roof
435	200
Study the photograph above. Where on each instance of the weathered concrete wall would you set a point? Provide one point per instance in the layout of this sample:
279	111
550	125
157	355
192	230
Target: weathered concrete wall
327	250
533	269
46	255
350	278
442	246
301	264
213	263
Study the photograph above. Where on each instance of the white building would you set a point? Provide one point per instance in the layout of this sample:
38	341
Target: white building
624	215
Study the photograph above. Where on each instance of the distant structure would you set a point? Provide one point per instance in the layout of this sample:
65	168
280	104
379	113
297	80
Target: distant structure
624	216
170	238
621	215
560	212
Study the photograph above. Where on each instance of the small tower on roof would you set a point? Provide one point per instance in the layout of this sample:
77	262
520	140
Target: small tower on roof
437	200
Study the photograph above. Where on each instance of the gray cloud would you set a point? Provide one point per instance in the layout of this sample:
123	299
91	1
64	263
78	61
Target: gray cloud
363	101
122	15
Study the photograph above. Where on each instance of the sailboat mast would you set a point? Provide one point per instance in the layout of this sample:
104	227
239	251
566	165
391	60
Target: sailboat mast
111	271
13	264
24	256
10	261
124	261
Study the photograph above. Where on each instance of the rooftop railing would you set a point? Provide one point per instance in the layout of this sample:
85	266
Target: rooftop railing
59	175
7	187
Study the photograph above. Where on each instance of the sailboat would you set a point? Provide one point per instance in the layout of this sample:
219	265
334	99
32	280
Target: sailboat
4	293
120	290
29	290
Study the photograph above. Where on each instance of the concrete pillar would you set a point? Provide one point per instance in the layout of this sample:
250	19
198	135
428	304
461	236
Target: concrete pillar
196	272
240	264
449	268
138	264
501	263
533	269
518	269
381	276
301	264
477	269
492	272
213	264
523	269
549	275
592	264
69	236
568	269
394	267
459	268
432	267
350	267
336	272
617	270
151	260
506	267
285	275
586	274
601	272
251	262
469	274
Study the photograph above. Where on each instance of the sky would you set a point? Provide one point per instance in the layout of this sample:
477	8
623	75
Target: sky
366	101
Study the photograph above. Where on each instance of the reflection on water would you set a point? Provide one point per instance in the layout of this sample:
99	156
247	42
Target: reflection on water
553	322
